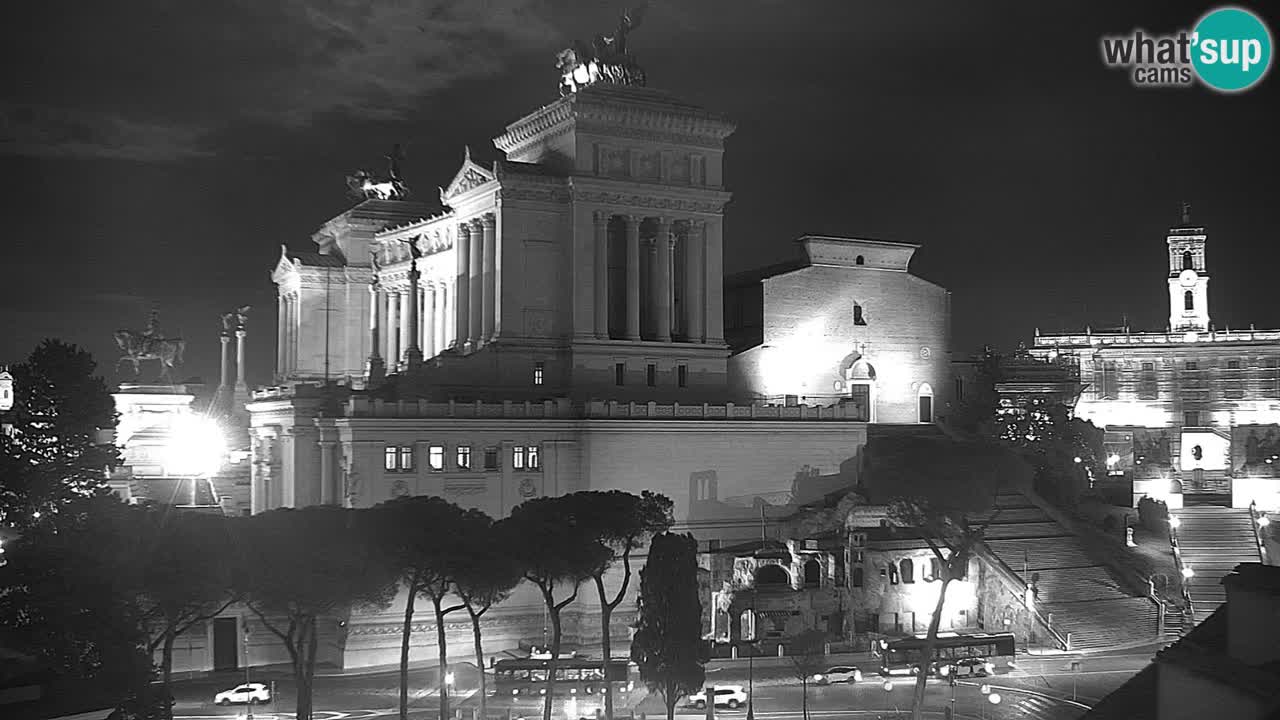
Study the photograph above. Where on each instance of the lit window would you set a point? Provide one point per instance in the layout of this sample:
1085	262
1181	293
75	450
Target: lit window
491	458
398	458
435	457
525	457
651	374
682	375
517	457
538	369
464	457
619	373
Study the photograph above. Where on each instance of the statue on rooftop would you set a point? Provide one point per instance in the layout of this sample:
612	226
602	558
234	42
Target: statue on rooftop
365	185
150	344
606	60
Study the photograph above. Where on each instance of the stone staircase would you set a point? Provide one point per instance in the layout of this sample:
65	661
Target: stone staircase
1205	482
1074	592
1212	541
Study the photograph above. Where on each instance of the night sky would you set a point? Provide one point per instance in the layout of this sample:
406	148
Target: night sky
158	153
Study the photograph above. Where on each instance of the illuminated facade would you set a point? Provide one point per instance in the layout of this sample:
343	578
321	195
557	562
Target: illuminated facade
556	326
1191	413
848	324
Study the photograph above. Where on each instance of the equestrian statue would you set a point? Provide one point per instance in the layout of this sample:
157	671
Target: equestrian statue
364	185
150	344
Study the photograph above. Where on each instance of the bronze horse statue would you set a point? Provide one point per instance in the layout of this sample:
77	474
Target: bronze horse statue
138	347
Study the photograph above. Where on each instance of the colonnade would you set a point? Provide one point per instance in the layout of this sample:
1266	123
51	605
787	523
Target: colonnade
287	327
681	258
393	331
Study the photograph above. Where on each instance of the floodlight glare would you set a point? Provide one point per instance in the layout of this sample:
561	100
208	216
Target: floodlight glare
195	447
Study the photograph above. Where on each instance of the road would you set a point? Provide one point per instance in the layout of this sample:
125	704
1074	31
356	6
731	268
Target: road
1040	688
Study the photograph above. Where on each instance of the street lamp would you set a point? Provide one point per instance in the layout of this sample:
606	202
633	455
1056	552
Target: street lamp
1187	572
1175	522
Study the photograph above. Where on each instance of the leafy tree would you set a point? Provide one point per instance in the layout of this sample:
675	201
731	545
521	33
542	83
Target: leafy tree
486	575
932	487
668	643
69	600
808	658
975	415
56	454
555	549
621	522
299	565
425	538
185	563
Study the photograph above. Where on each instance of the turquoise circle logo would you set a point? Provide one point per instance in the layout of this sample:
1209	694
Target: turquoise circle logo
1232	49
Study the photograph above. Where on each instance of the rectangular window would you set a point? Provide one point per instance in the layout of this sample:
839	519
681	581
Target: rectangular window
959	389
1110	381
533	456
491	458
1191	418
517	457
619	373
398	458
682	375
1148	367
525	457
435	458
1190	365
464	457
650	374
538	369
1148	387
1233	364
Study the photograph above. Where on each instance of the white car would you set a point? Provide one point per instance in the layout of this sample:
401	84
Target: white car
731	696
838	674
247	693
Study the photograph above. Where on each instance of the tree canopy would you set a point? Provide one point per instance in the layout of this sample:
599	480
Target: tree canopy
668	646
56	453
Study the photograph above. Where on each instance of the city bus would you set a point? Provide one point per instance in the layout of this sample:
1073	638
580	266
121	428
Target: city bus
584	677
903	657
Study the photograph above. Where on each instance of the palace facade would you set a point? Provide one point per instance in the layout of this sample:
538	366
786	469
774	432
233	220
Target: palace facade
1192	414
558	324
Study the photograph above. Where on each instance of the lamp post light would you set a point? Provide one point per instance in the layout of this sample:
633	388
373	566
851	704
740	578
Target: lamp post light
1187	572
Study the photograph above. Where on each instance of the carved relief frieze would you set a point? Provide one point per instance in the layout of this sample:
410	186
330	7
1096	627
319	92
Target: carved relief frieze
678	169
613	162
464	488
650	202
649	166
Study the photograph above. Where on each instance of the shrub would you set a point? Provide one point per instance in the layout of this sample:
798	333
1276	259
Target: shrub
1153	514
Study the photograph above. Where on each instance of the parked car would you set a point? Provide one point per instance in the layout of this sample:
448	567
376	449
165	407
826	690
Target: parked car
247	693
731	696
965	667
838	674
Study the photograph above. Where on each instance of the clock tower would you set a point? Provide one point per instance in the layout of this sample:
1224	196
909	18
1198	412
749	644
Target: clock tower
1188	278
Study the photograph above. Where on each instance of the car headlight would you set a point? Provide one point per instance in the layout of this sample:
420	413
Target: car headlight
945	670
857	675
817	678
991	667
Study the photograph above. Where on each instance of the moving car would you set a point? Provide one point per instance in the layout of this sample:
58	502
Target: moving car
247	693
731	696
838	674
966	667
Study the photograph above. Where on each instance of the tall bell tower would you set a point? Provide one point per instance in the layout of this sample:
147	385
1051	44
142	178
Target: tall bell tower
1188	277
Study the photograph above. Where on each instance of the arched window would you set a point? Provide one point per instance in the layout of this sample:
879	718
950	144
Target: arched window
859	260
858	319
935	569
1188	301
812	573
908	570
857	577
1188	263
772	575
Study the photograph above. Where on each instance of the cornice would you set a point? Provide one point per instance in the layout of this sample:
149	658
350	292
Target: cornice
650	201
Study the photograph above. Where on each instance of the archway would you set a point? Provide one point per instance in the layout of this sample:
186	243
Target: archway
924	402
812	573
772	576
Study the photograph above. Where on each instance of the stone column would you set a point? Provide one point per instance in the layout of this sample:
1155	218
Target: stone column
223	383
412	351
282	328
242	388
405	317
375	369
601	220
475	284
442	316
490	280
393	328
633	276
713	287
694	303
429	321
660	286
462	296
291	335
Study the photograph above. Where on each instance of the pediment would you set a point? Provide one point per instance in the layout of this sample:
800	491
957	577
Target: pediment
470	176
284	266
